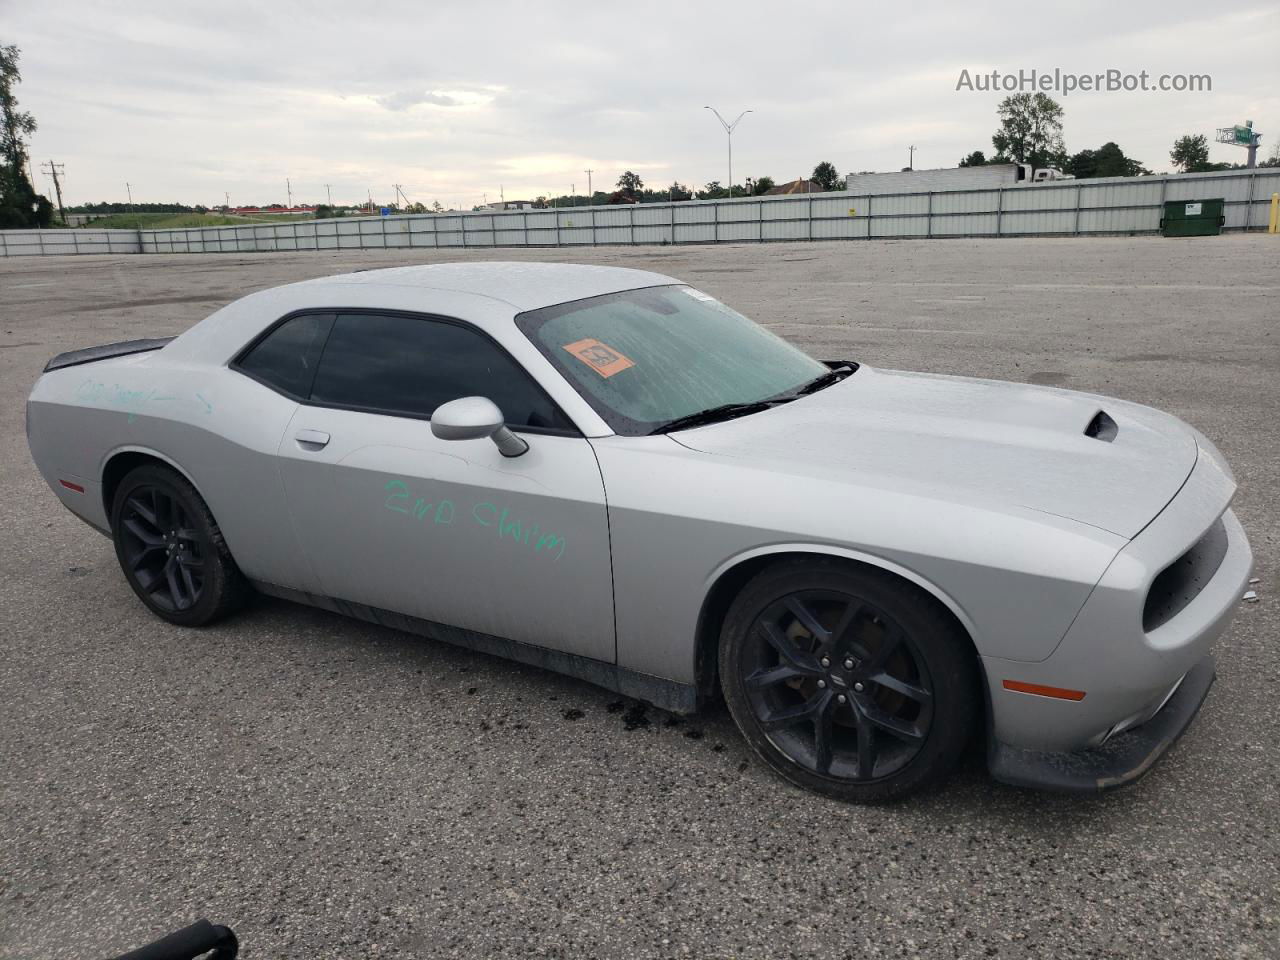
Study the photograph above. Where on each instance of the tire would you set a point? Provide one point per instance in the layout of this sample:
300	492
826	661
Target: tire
887	713
171	550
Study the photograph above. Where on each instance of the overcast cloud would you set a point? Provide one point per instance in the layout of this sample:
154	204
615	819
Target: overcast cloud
455	101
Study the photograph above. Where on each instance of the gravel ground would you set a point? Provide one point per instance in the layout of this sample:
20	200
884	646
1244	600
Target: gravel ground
334	789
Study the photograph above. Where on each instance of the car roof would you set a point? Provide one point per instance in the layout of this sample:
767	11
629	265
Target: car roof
523	286
488	295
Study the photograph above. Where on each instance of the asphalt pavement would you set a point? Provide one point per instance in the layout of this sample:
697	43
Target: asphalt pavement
334	789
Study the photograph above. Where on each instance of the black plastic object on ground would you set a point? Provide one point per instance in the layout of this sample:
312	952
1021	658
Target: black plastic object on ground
189	943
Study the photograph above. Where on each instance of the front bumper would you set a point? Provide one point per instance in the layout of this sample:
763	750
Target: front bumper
1140	683
1118	762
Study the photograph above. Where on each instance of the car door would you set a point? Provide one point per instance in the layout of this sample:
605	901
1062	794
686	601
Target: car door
449	531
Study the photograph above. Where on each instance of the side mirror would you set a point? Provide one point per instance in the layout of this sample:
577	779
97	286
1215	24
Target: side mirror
474	418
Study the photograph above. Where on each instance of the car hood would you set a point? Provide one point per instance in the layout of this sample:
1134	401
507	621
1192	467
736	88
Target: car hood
960	439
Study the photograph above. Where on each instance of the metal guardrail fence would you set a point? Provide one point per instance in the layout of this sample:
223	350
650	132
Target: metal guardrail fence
1119	205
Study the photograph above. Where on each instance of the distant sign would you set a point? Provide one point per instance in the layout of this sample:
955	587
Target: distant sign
386	211
1244	135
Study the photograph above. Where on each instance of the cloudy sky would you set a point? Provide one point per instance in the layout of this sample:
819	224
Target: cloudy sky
458	100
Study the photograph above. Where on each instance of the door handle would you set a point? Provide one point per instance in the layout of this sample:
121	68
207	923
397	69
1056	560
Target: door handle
311	438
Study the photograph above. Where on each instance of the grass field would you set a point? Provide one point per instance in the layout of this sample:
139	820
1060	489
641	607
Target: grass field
160	221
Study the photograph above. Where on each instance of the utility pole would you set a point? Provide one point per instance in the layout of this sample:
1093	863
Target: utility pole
53	171
129	190
400	194
728	129
911	157
288	189
328	192
590	194
227	197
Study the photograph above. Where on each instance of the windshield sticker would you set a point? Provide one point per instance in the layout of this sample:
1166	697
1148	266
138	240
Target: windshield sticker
602	359
699	295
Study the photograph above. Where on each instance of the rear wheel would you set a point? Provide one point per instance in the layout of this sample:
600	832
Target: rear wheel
848	681
171	550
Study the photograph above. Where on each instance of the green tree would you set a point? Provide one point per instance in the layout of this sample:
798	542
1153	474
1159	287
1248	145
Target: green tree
1190	154
630	184
712	191
762	185
1107	161
826	176
975	159
20	205
1030	130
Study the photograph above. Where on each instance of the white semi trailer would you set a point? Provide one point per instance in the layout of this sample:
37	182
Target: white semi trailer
987	177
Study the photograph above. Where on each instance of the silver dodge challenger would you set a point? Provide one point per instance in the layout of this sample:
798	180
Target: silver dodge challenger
611	474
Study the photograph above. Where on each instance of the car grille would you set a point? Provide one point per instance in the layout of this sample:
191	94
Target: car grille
1181	582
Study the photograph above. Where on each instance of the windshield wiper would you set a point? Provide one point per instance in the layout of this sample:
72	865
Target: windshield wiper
726	411
827	379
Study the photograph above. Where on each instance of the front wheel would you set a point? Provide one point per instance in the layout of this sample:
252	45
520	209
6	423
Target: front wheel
848	681
171	550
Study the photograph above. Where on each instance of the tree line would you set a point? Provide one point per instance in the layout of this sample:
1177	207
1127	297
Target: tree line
1031	132
20	205
631	189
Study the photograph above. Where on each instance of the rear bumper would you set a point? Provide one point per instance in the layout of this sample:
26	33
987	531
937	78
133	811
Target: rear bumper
1120	761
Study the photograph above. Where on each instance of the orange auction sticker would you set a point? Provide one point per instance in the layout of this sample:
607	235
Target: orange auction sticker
603	360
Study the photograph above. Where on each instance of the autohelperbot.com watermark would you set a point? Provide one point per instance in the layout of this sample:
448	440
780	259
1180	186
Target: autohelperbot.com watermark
1064	82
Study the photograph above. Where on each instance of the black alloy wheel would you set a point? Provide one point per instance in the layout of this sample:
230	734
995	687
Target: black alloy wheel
171	549
837	685
847	680
163	549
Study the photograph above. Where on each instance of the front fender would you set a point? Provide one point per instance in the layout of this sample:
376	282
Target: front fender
680	519
844	553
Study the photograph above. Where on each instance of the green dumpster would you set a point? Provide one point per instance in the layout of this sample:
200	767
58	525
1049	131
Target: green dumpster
1192	218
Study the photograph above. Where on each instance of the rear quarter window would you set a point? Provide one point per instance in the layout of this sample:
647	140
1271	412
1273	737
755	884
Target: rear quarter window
286	359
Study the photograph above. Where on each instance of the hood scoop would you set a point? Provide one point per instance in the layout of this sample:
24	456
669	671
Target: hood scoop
1102	427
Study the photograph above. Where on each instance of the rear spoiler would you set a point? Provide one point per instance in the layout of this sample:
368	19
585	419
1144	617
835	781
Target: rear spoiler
104	352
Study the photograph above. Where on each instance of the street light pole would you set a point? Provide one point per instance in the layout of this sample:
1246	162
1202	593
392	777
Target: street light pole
728	129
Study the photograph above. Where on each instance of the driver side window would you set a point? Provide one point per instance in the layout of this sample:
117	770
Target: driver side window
406	365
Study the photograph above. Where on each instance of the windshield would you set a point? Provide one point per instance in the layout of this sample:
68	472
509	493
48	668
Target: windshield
645	358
